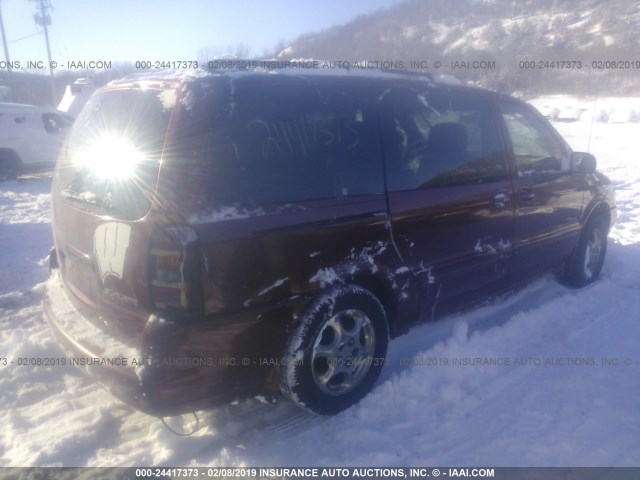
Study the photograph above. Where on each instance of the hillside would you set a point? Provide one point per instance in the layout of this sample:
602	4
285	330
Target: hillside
585	34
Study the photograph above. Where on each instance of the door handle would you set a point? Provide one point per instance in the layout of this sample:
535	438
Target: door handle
526	194
500	200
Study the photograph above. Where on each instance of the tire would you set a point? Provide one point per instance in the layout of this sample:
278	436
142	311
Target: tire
9	166
336	353
585	264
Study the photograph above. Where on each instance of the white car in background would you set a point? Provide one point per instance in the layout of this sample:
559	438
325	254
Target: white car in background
30	138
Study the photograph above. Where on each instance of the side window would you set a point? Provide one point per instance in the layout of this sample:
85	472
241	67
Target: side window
437	139
54	123
535	148
295	144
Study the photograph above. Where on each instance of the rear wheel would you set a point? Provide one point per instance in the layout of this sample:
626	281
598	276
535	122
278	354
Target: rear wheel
9	165
337	352
585	264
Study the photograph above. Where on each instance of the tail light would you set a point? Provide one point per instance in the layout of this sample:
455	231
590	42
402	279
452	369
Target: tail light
175	271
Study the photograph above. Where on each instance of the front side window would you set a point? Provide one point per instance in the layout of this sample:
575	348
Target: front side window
535	148
437	139
56	124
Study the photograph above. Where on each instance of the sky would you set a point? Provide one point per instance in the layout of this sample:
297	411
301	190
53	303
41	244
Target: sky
157	30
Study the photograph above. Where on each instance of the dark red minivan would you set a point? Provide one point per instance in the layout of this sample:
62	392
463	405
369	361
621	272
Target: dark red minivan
224	235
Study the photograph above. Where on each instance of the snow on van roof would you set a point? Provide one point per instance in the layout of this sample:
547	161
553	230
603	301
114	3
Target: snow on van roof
297	67
160	75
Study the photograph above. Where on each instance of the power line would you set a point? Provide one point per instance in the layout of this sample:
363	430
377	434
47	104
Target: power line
25	37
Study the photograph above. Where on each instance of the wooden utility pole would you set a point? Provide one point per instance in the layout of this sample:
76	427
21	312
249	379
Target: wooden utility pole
44	19
6	52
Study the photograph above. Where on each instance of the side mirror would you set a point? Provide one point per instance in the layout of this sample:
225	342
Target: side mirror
583	162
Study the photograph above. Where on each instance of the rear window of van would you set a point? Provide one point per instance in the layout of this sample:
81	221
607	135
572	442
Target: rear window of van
112	156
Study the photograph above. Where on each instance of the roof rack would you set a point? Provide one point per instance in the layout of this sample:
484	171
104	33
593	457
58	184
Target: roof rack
409	73
300	65
309	66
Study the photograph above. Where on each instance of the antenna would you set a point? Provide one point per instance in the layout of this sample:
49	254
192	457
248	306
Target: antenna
593	114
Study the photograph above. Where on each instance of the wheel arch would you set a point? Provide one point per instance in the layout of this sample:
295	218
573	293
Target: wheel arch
10	154
569	274
380	289
597	209
11	158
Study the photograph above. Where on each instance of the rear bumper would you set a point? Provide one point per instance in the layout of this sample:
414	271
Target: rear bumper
110	362
175	368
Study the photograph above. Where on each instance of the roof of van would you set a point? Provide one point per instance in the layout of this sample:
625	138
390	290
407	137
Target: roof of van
302	68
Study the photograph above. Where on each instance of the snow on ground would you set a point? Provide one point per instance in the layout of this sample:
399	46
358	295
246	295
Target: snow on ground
567	410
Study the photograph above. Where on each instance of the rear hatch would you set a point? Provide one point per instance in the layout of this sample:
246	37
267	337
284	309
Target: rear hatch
103	191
